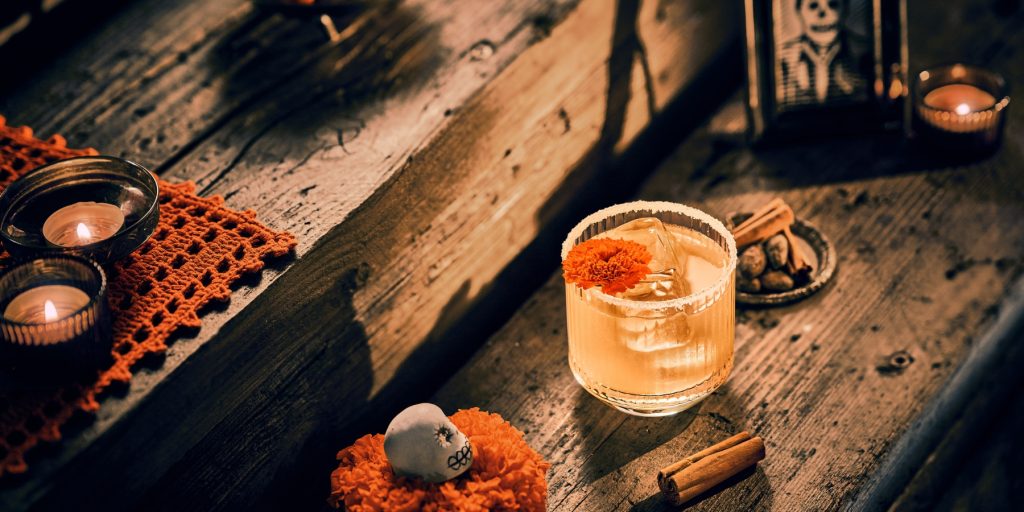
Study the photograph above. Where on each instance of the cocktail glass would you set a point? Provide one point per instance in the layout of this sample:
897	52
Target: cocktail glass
664	345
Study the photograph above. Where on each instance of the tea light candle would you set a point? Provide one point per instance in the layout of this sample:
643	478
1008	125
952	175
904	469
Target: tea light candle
82	223
960	98
46	303
960	109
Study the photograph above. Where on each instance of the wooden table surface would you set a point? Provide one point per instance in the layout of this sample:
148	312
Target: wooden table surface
395	155
430	163
853	388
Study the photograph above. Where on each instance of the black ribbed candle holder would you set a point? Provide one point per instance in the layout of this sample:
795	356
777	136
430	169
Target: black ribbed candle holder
960	110
55	324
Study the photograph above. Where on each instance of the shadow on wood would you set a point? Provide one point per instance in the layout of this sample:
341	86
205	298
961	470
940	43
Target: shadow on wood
47	35
250	422
627	437
298	424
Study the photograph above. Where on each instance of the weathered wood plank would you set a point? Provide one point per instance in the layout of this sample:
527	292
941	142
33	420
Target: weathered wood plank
414	161
398	246
956	449
149	93
966	436
803	377
927	254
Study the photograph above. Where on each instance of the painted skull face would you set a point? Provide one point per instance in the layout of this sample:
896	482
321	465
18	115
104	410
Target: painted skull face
421	442
820	20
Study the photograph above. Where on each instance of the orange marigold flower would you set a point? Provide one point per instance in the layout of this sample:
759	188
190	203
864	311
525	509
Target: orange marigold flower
506	474
615	265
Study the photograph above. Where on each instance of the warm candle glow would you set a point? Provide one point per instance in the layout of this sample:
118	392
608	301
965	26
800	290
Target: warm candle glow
84	234
959	98
45	304
49	311
83	223
959	108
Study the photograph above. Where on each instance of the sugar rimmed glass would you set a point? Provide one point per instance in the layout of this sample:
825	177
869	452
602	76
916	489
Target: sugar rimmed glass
660	357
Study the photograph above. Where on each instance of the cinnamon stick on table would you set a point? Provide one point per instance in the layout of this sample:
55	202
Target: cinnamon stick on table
693	475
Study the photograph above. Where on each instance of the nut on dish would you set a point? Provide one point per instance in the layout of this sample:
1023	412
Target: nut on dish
777	248
776	281
752	261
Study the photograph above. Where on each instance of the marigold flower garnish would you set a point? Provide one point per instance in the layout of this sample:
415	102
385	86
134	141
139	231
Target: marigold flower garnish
615	265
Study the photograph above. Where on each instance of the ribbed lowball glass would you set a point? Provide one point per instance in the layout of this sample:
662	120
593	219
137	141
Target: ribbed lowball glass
660	357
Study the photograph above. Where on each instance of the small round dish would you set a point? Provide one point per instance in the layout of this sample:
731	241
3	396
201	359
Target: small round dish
818	250
101	207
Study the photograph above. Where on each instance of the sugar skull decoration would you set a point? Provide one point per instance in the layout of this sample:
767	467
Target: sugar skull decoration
421	442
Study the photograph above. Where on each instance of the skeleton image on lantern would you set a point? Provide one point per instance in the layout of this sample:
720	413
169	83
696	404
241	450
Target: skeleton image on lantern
817	55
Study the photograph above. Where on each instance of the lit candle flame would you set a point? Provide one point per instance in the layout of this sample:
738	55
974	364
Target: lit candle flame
49	311
963	109
85	234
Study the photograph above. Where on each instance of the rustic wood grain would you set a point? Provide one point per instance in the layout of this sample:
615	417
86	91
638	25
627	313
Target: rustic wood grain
495	159
927	254
959	451
964	451
820	388
158	75
414	160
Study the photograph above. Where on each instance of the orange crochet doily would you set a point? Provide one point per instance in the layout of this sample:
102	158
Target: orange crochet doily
198	250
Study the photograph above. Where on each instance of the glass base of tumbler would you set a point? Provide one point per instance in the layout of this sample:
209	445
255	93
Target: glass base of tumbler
653	405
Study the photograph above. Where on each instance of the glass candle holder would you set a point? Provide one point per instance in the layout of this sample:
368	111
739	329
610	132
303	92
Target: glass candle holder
667	343
960	109
101	207
55	324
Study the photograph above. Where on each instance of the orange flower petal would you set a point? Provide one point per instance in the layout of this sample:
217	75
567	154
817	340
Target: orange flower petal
614	265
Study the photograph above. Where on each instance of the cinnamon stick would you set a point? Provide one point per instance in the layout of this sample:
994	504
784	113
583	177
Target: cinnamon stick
797	262
761	212
693	475
775	220
676	467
